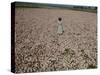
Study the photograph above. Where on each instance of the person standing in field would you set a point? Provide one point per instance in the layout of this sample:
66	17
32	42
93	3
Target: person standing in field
60	27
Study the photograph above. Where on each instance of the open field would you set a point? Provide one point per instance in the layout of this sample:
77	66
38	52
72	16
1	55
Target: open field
38	47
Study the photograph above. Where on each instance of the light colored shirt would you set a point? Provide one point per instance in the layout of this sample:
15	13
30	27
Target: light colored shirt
60	28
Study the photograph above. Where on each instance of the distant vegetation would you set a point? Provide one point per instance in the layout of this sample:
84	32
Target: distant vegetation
59	6
85	8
